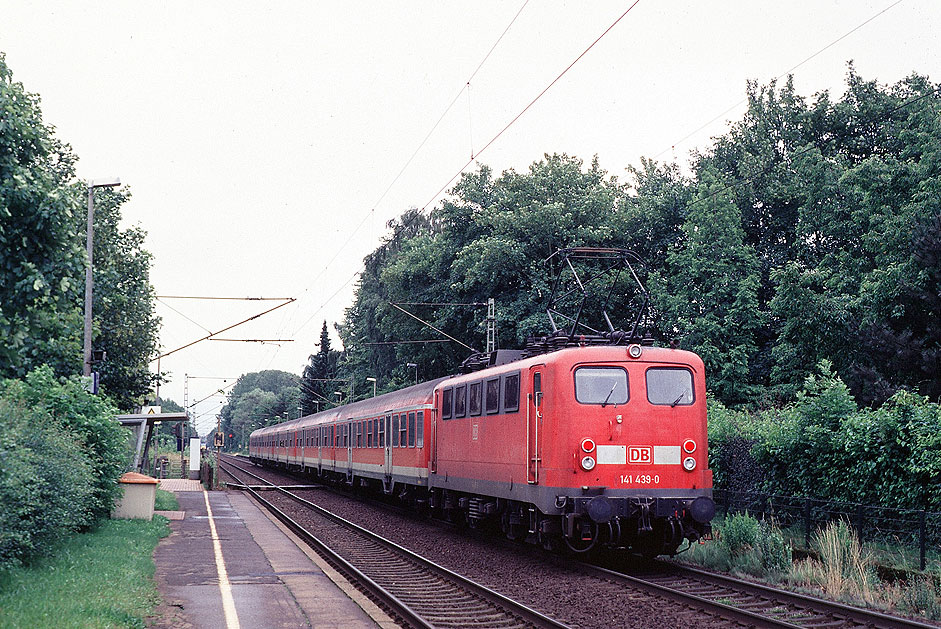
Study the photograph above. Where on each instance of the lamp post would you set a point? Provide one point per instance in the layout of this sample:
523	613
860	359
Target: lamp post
89	240
373	380
410	365
339	395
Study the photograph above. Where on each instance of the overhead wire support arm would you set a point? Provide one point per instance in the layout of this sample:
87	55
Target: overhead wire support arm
287	300
438	330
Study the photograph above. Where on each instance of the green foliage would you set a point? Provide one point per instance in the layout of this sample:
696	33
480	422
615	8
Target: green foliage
61	454
91	421
316	389
45	481
738	534
258	399
41	256
744	544
126	327
824	445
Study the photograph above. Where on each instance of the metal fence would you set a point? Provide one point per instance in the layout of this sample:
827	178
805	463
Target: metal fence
903	527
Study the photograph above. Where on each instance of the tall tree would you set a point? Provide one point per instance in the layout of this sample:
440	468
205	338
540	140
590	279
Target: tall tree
41	260
126	326
315	390
708	290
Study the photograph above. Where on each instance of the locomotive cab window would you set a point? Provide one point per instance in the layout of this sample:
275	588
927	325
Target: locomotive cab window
601	385
493	395
473	398
447	403
511	393
670	386
460	401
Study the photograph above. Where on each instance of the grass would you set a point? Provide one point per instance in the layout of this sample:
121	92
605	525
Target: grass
166	501
841	568
99	579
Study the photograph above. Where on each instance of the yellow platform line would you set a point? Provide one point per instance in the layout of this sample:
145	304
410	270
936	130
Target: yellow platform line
228	603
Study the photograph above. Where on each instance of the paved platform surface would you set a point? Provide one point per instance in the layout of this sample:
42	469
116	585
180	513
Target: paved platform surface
180	484
227	565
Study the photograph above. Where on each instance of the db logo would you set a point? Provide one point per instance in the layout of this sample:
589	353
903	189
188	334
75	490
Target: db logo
639	454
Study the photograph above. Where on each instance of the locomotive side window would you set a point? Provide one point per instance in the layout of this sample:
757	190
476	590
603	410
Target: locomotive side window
420	437
511	393
670	386
460	401
411	430
447	403
473	401
601	385
493	395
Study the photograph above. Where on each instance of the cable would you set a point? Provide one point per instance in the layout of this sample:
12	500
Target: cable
420	146
783	74
527	107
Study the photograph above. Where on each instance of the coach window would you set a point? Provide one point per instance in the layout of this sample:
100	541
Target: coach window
511	393
411	430
473	401
395	431
447	403
601	385
420	437
375	431
493	395
669	386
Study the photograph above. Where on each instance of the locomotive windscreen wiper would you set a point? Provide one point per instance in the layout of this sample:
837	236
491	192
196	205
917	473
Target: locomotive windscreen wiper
610	393
677	400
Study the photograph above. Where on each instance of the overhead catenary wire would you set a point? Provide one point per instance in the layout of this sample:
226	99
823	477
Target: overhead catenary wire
783	74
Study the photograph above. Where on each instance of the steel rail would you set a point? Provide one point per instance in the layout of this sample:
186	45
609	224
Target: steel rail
528	615
864	617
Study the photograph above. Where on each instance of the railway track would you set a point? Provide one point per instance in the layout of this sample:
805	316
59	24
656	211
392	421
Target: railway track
767	606
415	591
703	595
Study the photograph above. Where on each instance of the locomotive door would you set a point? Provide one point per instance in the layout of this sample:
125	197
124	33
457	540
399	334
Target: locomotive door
534	409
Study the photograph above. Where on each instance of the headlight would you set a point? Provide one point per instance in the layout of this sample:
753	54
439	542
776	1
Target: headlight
634	351
588	463
689	464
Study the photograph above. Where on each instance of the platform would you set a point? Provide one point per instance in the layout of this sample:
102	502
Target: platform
179	484
227	564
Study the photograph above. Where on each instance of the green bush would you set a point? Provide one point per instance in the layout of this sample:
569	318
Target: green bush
752	546
61	454
89	418
46	482
824	445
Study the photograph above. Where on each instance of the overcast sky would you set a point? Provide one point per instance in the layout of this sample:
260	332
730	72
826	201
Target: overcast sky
263	141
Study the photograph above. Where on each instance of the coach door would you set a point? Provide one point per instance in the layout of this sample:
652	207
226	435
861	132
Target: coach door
388	446
534	408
